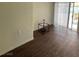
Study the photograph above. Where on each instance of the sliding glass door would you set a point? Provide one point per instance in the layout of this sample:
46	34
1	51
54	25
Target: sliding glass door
61	14
73	16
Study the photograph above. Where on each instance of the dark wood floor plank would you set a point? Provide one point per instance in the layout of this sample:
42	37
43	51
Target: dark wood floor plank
58	42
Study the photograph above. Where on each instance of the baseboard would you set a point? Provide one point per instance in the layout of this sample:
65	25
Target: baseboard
21	43
12	48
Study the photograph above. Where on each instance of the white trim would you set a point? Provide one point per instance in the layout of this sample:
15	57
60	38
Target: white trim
12	48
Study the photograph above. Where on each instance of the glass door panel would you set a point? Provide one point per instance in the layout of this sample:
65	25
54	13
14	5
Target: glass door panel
73	18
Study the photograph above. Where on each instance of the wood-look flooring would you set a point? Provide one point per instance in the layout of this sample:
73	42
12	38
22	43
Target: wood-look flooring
58	42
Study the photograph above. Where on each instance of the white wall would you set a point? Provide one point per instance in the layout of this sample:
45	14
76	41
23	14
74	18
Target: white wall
61	13
19	20
43	10
15	25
